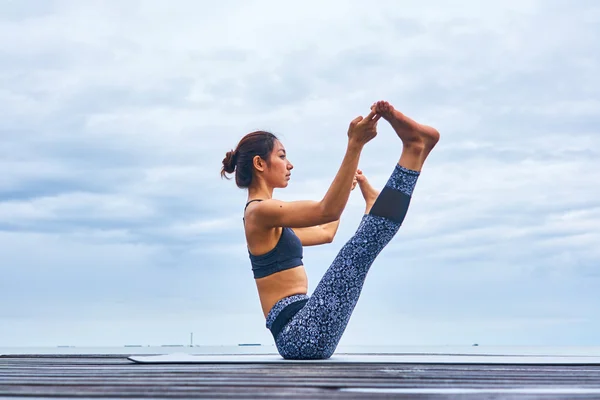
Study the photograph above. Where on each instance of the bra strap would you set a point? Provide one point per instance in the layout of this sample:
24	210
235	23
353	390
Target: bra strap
251	202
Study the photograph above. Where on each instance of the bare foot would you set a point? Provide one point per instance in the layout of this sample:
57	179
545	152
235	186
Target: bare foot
420	137
369	192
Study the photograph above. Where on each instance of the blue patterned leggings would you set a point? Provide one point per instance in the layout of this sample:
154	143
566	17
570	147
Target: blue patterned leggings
311	327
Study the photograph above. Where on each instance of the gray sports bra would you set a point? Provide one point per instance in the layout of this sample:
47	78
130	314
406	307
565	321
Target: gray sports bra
286	254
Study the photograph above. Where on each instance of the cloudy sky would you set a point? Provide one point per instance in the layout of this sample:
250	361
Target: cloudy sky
116	228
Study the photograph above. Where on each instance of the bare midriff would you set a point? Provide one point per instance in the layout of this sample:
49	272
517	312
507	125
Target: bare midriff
279	285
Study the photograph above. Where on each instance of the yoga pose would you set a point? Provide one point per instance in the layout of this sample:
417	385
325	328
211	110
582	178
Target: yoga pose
310	327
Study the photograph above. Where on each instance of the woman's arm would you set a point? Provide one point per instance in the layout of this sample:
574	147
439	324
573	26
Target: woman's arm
316	235
322	234
331	229
303	214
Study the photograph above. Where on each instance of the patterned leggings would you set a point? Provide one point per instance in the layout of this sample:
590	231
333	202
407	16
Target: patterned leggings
311	327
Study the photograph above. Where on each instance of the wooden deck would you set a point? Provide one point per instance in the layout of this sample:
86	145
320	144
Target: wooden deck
113	376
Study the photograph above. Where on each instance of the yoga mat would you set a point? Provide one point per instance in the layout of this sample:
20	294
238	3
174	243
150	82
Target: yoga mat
183	358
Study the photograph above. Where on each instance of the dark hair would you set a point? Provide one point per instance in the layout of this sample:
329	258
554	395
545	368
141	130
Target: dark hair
259	143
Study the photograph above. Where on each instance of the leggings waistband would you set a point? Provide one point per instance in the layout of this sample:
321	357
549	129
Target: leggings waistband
283	311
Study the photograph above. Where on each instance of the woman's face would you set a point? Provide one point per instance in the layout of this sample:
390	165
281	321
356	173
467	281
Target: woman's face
278	173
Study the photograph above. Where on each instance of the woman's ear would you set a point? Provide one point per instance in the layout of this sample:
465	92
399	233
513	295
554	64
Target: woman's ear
258	163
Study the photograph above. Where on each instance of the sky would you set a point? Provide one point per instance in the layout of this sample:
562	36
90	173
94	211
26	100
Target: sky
117	229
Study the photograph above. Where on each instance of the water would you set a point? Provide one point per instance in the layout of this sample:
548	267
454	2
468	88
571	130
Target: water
270	349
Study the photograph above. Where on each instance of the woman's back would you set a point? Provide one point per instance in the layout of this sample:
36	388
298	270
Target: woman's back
277	270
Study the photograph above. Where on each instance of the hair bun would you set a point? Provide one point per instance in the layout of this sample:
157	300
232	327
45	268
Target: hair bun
229	161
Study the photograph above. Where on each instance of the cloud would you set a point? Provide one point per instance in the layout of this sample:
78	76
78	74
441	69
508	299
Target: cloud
115	118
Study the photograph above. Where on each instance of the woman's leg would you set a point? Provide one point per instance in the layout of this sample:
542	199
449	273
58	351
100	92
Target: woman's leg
315	331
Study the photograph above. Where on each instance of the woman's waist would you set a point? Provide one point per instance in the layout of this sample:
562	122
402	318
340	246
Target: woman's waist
280	285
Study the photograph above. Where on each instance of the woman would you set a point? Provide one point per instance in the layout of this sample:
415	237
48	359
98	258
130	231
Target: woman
311	327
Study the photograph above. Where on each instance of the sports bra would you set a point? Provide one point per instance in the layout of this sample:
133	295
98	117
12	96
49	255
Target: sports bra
286	254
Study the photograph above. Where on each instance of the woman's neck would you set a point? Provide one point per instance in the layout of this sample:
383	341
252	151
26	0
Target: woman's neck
260	191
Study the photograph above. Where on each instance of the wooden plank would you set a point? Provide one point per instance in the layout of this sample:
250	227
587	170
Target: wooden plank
112	376
184	358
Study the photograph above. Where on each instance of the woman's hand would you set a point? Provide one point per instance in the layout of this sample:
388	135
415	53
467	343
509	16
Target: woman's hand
362	130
